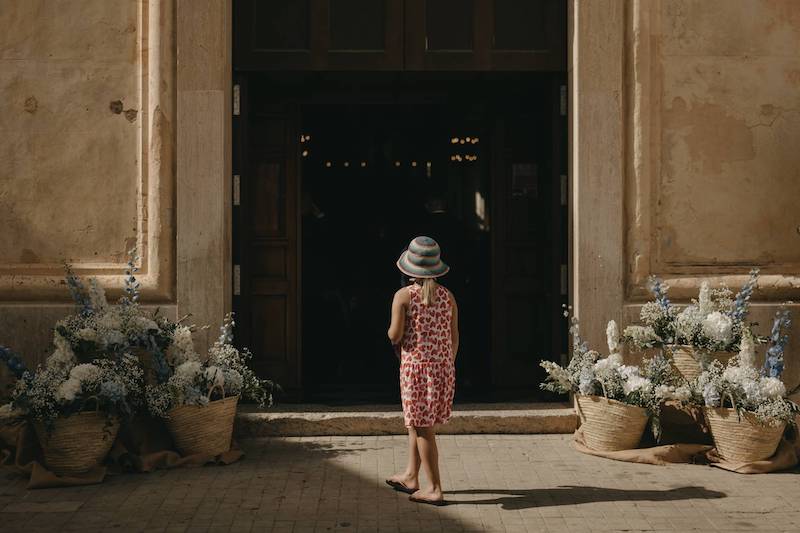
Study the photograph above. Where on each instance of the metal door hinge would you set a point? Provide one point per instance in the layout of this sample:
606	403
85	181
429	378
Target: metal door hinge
236	100
564	280
237	190
564	189
237	280
563	100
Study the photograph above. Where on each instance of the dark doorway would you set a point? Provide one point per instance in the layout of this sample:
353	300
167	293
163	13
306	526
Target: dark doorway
373	177
340	171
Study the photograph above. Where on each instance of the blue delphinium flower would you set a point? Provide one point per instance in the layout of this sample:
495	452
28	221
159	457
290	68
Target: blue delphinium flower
741	305
773	363
12	361
659	290
131	284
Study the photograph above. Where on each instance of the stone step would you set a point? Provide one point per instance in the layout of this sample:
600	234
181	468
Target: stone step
307	420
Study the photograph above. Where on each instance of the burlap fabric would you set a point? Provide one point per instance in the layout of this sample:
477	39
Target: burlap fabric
142	445
686	439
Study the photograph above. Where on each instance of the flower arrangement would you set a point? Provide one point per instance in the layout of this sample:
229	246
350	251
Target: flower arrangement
98	329
61	388
715	321
590	374
192	380
742	386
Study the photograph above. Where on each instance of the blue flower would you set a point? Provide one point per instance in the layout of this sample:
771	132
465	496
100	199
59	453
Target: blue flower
741	304
12	361
659	290
773	362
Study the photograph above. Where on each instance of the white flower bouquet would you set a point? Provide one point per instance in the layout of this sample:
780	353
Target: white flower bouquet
195	380
198	398
99	329
588	374
711	327
747	408
713	322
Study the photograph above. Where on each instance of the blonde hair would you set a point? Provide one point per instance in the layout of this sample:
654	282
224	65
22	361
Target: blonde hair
429	291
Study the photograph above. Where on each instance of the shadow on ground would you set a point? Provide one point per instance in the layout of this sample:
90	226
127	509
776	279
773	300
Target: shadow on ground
573	495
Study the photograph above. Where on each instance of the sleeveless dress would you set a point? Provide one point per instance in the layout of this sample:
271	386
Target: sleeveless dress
427	370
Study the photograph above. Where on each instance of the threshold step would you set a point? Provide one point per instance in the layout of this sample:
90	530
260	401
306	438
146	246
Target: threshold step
311	420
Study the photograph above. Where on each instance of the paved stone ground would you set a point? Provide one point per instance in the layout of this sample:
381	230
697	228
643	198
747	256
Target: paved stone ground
495	483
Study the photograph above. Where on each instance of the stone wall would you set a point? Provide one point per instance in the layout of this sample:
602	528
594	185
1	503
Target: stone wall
87	119
713	175
684	127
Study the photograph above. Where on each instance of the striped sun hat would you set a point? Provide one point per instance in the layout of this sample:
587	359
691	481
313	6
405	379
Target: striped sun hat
422	259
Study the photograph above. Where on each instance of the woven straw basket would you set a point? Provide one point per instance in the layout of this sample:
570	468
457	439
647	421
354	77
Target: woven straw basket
609	425
77	443
686	362
203	430
743	440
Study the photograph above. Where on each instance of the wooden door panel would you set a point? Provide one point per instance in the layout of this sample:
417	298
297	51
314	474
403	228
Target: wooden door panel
318	34
485	35
266	238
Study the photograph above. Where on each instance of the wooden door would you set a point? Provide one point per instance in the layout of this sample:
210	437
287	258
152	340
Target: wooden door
485	35
318	34
266	235
528	241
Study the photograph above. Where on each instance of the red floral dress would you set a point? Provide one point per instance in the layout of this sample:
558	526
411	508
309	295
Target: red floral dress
427	372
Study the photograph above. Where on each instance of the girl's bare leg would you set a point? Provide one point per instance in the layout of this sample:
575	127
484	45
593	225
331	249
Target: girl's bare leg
410	477
429	453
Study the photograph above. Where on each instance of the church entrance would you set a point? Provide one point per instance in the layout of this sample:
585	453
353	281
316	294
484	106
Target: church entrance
337	169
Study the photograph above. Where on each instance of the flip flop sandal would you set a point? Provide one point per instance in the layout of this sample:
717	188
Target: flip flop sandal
400	486
437	503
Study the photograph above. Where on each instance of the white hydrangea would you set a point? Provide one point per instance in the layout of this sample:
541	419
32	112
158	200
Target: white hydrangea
68	390
86	373
772	388
688	322
612	336
186	372
747	351
87	334
635	384
606	364
628	371
739	375
718	327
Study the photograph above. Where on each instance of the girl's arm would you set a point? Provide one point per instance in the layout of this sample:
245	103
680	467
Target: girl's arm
454	326
398	323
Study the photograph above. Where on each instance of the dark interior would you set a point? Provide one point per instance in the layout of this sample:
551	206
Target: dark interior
373	177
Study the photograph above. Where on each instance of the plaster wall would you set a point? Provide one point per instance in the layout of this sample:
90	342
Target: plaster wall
87	127
713	170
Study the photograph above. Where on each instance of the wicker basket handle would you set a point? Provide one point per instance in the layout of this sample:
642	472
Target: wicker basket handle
96	403
211	391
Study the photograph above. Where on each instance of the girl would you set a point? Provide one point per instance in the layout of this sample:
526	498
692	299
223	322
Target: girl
424	331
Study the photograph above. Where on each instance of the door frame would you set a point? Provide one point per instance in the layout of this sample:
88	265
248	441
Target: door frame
596	74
